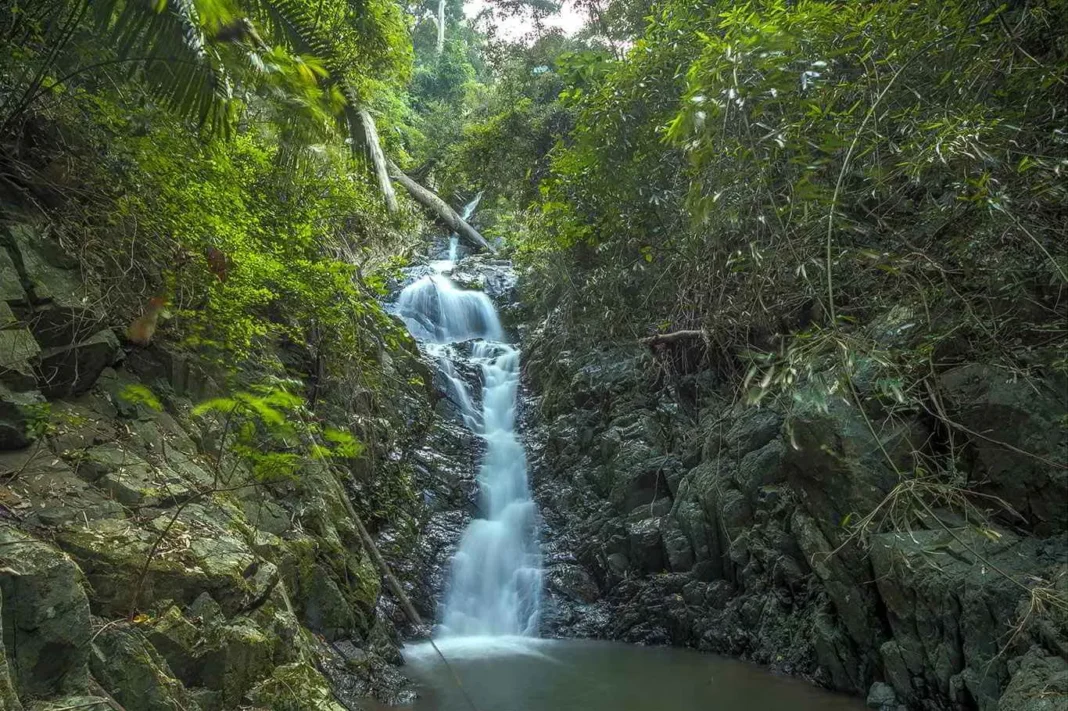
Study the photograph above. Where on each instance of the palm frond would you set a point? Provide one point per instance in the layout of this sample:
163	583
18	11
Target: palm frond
291	22
179	67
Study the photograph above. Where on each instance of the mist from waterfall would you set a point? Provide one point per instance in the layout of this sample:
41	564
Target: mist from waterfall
495	581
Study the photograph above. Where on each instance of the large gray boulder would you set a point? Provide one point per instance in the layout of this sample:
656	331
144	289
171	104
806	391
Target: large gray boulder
133	672
45	617
952	599
72	368
18	350
1039	684
60	310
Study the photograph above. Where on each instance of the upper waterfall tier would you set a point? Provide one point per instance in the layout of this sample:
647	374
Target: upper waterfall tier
438	311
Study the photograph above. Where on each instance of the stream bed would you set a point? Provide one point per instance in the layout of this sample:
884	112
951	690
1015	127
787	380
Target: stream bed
528	674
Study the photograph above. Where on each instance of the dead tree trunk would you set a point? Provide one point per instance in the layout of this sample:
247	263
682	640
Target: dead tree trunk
441	27
378	160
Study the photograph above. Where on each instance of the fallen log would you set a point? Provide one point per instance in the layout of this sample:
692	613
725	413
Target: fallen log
439	207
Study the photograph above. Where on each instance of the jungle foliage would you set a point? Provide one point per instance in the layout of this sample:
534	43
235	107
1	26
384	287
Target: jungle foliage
786	176
199	152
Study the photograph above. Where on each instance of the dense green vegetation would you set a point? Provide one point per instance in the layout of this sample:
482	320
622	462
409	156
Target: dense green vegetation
792	180
841	200
786	203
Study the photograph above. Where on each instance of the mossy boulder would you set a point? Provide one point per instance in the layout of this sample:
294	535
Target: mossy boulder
11	291
132	671
19	411
45	617
130	479
1039	684
49	492
69	703
224	657
18	350
334	590
198	552
9	700
294	687
61	313
1015	431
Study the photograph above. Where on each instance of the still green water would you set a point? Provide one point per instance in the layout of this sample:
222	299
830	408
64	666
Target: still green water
522	674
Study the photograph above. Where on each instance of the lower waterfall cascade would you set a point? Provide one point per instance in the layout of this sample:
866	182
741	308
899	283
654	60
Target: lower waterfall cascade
495	579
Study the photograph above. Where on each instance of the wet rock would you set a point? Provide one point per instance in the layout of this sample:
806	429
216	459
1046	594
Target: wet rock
45	617
573	582
355	674
646	545
882	697
676	546
753	430
134	673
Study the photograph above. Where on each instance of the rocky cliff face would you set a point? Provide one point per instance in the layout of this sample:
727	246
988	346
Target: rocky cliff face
806	539
140	568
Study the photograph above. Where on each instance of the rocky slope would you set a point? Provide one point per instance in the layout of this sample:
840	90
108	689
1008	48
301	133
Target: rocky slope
142	569
676	516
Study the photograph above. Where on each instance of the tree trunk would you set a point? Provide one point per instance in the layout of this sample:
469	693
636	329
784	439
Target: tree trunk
441	26
438	206
378	160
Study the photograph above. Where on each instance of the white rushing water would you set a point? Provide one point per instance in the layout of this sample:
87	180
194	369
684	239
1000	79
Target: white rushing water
495	581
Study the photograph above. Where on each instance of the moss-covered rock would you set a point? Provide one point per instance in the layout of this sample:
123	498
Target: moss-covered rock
50	493
295	687
132	671
45	617
225	657
9	700
1040	684
18	412
197	553
69	703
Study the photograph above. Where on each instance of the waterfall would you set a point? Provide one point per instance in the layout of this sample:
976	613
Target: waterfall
438	311
495	582
446	265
